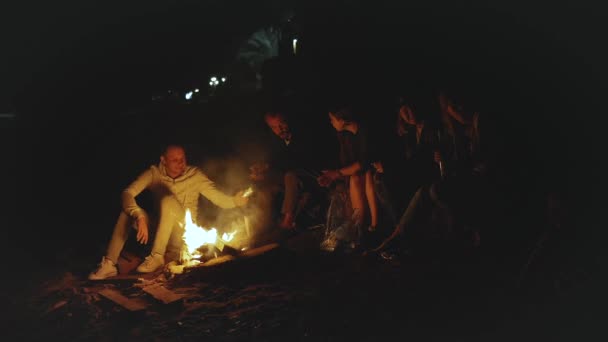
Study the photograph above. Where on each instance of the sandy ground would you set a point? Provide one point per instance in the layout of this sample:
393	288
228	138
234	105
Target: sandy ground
298	293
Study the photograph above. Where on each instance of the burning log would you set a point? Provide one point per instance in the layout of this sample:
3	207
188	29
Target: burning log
175	268
201	245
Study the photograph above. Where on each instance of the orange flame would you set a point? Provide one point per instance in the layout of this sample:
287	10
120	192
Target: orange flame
195	237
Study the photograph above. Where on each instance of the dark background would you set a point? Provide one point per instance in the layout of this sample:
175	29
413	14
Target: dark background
79	76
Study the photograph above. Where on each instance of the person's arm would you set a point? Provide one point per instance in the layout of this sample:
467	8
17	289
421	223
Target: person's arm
129	205
328	176
207	188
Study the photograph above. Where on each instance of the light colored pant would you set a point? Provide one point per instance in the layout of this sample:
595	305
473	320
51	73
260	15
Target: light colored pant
169	231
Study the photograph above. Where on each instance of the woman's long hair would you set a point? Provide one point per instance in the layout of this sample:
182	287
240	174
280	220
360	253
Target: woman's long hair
448	122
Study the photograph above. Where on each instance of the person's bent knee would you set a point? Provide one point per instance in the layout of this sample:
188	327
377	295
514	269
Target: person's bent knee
170	203
357	177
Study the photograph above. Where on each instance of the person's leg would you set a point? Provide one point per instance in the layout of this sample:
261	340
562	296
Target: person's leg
370	193
119	237
357	198
107	267
291	182
385	199
176	242
405	220
171	212
357	194
259	212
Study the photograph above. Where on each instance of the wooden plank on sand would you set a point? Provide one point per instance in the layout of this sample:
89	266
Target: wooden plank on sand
249	253
118	298
163	294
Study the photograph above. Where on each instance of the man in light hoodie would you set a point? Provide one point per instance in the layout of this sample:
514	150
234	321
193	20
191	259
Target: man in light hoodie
176	187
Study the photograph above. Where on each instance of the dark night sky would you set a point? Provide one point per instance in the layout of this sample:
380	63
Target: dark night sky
120	45
536	57
127	45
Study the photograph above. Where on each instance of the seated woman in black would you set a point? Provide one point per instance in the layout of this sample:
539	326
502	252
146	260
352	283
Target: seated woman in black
461	148
355	164
419	144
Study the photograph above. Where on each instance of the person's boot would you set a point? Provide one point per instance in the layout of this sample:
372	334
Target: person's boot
106	269
151	263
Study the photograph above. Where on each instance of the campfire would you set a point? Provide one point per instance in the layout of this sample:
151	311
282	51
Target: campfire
202	244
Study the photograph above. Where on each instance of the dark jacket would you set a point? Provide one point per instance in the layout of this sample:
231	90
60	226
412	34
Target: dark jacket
297	154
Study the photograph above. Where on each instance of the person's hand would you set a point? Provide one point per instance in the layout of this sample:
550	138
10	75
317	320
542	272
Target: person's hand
437	157
378	166
240	200
324	180
257	171
328	177
142	230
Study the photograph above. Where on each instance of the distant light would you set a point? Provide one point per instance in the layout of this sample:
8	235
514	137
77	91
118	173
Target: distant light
213	78
295	45
210	83
196	90
223	79
188	95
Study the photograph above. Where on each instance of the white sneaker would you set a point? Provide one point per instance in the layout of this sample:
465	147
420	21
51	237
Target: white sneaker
151	263
106	268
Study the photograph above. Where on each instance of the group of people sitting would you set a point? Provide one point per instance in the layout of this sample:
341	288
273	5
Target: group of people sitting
432	180
433	176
